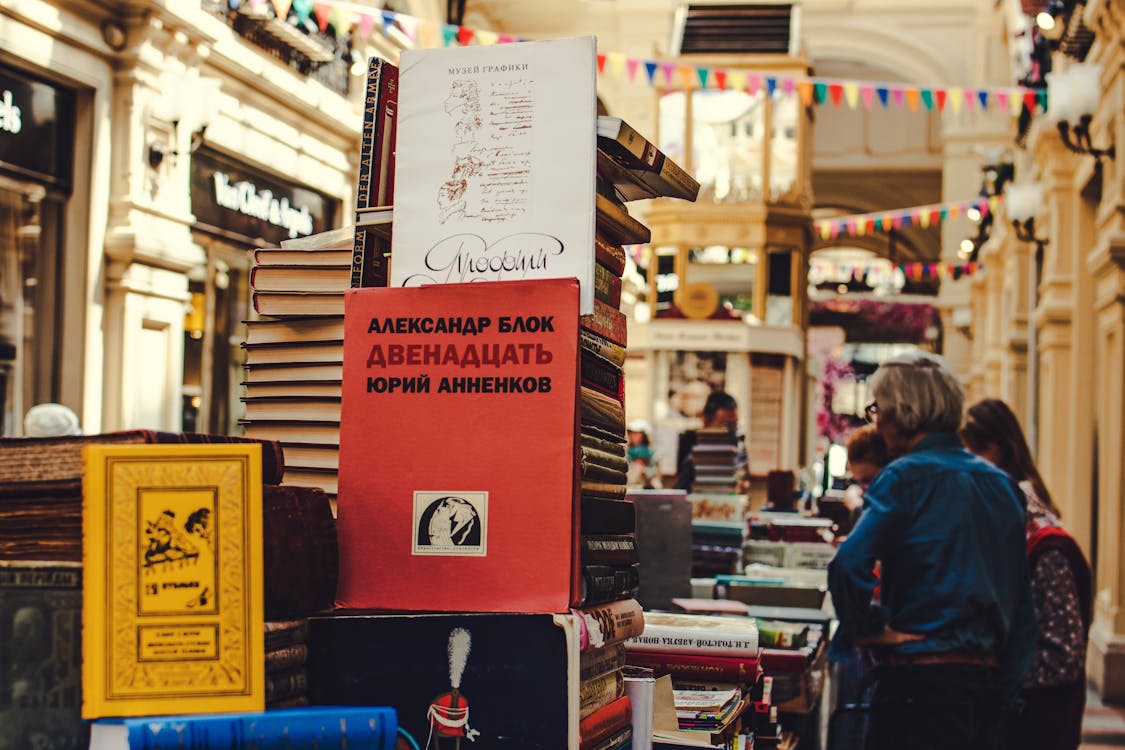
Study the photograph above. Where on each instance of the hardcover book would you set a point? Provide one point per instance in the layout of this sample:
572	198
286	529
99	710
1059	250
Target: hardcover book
501	147
172	608
375	186
505	681
323	727
40	658
470	501
645	170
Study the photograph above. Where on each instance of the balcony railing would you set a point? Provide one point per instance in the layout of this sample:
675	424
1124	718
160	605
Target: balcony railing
296	43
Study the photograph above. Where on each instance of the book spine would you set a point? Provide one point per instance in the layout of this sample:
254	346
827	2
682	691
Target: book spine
622	738
653	159
376	169
600	346
603	489
608	322
600	374
286	684
607	286
286	657
598	692
614	622
612	461
594	472
696	666
600	410
600	661
683	639
609	549
617	224
604	722
604	516
609	254
610	447
325	728
607	583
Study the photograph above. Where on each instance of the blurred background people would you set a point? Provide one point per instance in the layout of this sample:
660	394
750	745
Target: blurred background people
1054	692
642	470
954	626
719	411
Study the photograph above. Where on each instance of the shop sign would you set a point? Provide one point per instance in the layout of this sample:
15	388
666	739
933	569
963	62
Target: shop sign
36	129
238	199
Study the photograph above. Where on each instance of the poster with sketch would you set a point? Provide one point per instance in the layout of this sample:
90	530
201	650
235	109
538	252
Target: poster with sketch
495	154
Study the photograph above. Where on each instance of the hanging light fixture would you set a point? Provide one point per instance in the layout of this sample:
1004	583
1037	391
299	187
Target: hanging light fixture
1073	94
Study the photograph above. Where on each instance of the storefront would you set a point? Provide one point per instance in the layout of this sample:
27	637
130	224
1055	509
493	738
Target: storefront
37	142
237	208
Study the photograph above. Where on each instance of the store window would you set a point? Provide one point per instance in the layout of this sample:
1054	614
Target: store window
36	160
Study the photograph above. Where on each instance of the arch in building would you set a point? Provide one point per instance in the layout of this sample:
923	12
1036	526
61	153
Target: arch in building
879	45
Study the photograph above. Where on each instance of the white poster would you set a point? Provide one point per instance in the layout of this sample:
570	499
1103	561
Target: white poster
494	164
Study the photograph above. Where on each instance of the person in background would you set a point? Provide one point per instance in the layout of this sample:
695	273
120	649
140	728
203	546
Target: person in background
50	420
642	469
1054	692
720	410
953	629
867	455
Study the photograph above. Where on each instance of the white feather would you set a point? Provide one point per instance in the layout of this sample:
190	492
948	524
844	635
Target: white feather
460	643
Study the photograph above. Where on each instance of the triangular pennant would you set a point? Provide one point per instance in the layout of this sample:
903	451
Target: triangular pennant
753	83
1015	102
616	64
805	89
342	19
928	99
993	203
982	206
896	221
506	39
982	97
736	80
912	99
860	227
851	94
788	85
281	8
1029	100
1002	99
897	95
601	62
953	210
941	214
907	219
465	36
867	94
687	76
487	38
366	24
650	70
956	99
957	272
303	8
631	68
409	26
388	20
924	219
883	93
916	271
940	97
771	85
886	222
667	69
970	100
819	91
448	35
721	79
835	92
825	230
703	73
1042	100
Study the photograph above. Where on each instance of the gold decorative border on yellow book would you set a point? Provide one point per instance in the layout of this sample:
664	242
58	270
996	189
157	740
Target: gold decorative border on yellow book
172	594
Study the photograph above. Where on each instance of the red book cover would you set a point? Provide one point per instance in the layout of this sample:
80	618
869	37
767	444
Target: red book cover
609	254
457	448
604	722
697	666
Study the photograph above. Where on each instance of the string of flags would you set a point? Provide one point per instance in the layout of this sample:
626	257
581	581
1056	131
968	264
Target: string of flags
842	272
664	74
858	225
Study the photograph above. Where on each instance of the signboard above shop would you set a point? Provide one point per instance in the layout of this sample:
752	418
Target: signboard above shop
249	206
36	129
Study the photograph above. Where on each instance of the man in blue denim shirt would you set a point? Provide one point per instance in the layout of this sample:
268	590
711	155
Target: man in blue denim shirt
953	626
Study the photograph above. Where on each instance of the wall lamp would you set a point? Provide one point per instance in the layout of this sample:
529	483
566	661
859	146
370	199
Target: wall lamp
1024	204
189	102
1072	96
1048	19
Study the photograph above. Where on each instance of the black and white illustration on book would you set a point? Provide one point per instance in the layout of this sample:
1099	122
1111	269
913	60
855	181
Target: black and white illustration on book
491	169
450	523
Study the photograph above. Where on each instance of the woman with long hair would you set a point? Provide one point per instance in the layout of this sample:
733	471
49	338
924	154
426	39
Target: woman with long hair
1054	691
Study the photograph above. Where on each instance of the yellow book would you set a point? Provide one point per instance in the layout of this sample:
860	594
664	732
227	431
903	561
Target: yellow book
172	584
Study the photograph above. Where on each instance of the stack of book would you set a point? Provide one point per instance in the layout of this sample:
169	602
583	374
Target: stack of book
287	650
717	461
714	665
294	353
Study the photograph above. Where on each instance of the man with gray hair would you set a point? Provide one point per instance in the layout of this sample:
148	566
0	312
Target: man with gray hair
949	616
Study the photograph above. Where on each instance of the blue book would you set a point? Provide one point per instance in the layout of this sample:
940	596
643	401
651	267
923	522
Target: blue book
322	727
